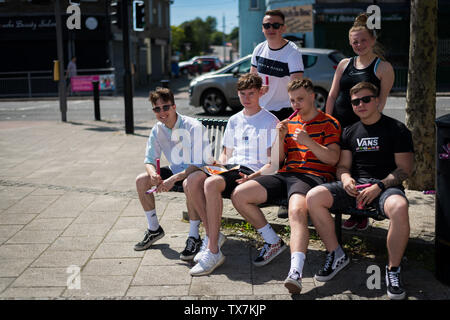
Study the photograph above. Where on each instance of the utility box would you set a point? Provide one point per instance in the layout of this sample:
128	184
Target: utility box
442	223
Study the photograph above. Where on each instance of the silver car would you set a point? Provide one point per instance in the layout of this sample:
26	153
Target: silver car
216	90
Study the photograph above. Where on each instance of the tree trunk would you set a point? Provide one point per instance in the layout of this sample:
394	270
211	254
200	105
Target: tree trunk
421	92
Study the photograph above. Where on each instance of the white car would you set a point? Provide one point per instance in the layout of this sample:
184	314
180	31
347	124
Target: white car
216	90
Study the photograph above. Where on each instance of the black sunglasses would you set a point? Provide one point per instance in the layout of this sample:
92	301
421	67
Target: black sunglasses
365	99
275	25
165	107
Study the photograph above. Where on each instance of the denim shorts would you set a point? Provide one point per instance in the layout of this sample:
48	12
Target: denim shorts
343	202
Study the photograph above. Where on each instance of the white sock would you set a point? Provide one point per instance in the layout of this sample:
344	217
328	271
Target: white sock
152	219
269	234
338	252
193	228
297	262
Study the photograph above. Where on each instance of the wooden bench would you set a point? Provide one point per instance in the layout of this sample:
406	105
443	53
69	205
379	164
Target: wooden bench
216	128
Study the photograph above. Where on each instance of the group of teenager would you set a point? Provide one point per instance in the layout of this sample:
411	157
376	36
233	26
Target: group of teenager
314	159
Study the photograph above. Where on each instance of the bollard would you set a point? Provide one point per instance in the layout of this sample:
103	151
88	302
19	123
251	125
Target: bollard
96	100
165	83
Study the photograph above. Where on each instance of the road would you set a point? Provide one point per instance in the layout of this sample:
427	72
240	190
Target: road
112	108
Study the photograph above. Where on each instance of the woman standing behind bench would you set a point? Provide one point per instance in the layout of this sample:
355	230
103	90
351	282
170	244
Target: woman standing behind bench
368	66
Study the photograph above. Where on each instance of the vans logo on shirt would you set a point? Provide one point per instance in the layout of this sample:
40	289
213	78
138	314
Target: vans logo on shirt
367	144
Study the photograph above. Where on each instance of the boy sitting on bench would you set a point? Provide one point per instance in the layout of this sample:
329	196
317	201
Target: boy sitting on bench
376	150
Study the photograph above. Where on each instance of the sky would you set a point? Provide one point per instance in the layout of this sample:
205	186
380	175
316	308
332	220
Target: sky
185	10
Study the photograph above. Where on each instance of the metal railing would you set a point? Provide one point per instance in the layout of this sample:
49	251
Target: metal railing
36	83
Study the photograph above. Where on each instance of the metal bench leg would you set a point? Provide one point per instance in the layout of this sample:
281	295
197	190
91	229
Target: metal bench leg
338	227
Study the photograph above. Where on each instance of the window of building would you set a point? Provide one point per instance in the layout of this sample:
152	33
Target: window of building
254	4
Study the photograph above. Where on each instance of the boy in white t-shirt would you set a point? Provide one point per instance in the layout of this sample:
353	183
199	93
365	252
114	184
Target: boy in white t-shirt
247	141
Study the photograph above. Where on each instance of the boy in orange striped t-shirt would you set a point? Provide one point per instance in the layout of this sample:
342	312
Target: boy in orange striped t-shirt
311	150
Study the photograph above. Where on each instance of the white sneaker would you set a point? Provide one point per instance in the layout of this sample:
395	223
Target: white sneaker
198	256
208	262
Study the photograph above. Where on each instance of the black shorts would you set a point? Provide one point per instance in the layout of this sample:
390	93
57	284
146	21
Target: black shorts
167	173
343	202
230	178
285	184
283	113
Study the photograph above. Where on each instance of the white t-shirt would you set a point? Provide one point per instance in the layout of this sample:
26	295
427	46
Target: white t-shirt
250	137
278	65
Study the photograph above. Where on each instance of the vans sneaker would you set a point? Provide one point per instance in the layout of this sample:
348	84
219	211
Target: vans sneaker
293	282
332	266
192	247
394	284
150	237
207	264
269	252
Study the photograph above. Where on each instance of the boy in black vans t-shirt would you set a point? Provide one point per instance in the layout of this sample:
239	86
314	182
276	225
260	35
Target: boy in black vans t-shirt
377	150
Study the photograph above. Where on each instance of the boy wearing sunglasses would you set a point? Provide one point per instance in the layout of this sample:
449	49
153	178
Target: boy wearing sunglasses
377	150
171	132
277	61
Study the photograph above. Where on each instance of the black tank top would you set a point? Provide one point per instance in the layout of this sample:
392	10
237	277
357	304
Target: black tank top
343	110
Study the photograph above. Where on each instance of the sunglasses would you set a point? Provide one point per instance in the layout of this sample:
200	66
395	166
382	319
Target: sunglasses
165	107
365	99
275	25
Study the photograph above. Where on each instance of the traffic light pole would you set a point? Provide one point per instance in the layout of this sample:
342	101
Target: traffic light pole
127	77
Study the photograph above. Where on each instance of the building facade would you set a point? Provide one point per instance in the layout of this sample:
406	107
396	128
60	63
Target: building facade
28	39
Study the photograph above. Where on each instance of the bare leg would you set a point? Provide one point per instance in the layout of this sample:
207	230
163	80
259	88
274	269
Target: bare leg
298	221
396	208
319	201
195	197
246	198
142	185
214	186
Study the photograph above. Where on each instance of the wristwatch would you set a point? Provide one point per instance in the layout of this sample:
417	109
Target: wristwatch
381	186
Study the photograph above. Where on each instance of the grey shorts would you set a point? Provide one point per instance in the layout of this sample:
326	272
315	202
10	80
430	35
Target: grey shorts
343	202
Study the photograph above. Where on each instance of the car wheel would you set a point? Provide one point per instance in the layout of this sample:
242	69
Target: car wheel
321	98
213	102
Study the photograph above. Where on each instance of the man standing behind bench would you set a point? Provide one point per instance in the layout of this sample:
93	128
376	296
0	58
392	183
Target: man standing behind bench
182	155
377	150
310	152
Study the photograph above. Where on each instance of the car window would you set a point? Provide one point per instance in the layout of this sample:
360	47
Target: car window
337	56
308	60
206	62
244	67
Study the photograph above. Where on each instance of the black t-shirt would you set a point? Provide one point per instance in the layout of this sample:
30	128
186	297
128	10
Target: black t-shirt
343	110
373	146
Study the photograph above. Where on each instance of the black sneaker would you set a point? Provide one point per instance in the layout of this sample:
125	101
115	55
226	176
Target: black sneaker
269	252
150	237
394	284
332	267
192	247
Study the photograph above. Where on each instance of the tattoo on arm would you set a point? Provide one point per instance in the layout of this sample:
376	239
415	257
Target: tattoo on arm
395	178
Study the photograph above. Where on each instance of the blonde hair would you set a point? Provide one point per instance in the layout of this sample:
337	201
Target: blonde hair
361	24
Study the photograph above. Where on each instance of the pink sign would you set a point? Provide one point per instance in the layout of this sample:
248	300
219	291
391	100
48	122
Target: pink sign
83	83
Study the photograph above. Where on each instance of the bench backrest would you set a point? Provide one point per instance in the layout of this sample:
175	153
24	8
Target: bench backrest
216	129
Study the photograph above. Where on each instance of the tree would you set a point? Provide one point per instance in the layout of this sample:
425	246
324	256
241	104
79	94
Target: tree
421	92
178	38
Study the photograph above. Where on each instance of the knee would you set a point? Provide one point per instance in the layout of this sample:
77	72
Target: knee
237	196
396	208
318	196
142	181
213	184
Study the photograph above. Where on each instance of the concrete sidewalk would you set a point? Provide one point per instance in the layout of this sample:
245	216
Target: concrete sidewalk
68	203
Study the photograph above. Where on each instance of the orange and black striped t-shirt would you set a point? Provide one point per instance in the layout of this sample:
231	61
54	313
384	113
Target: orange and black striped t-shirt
325	130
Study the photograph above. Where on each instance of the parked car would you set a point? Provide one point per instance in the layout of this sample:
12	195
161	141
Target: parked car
200	64
217	90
